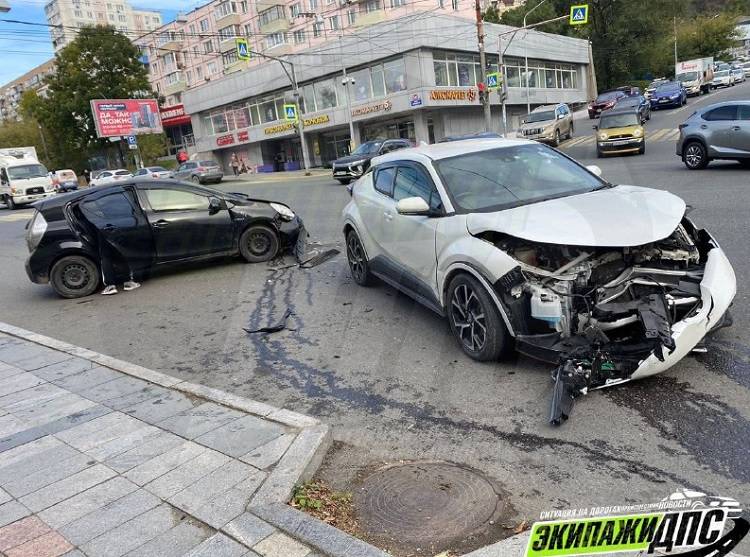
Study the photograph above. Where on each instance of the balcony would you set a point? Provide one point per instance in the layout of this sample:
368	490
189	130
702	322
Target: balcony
170	41
227	45
273	19
175	87
230	18
235	67
369	18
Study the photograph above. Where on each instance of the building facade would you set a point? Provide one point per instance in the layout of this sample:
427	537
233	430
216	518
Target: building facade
414	78
68	16
10	93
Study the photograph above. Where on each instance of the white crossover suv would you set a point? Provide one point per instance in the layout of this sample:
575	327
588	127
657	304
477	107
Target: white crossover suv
520	246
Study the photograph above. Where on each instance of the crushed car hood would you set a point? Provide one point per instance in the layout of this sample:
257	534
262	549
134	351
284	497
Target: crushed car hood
618	216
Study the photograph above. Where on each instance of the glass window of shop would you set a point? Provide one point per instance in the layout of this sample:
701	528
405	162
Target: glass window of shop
464	70
375	81
325	94
542	75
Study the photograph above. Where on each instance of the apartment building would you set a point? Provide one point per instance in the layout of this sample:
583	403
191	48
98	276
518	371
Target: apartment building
70	15
10	93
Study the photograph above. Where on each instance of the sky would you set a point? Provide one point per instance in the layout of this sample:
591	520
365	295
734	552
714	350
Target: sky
23	47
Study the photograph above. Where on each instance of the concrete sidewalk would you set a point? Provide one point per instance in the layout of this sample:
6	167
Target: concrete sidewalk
270	177
103	458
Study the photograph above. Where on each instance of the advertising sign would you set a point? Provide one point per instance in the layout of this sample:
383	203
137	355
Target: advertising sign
173	115
120	117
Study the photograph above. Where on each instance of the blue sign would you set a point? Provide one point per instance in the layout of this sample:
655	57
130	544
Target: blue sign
579	14
493	80
132	140
243	48
290	112
415	100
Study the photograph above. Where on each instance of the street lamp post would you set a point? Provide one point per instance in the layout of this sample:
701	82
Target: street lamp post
526	58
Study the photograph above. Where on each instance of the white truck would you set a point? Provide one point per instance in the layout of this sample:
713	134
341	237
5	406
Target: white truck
23	179
696	75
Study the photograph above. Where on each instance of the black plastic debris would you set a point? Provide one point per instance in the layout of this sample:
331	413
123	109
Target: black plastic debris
275	328
318	259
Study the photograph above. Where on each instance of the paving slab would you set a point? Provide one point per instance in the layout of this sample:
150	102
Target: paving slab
166	404
175	542
86	379
54	470
219	545
199	420
72	485
148	449
64	368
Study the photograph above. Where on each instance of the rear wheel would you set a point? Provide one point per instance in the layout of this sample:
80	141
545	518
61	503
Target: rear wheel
74	276
694	155
475	320
359	267
599	153
259	243
744	162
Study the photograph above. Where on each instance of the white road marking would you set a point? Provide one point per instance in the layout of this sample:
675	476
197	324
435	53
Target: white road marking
14	217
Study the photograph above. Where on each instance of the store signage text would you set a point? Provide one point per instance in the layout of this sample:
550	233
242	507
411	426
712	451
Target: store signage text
380	107
315	120
243	136
453	94
223	140
278	129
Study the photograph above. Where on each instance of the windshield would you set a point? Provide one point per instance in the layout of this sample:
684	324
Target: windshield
508	177
722	73
368	148
540	116
618	120
157	169
27	171
687	76
604	97
668	88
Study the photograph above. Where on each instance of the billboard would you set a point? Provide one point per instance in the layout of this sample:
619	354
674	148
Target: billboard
118	117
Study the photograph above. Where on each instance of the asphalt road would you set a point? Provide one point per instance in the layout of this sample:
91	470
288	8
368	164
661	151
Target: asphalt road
390	379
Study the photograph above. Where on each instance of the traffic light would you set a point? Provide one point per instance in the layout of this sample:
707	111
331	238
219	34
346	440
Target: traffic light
483	97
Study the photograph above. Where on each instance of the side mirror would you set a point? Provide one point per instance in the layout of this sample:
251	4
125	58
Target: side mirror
214	206
594	169
412	206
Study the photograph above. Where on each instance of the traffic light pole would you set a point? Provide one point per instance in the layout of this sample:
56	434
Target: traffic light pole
484	92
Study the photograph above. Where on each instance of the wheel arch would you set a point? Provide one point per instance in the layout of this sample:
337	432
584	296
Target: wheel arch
67	252
693	139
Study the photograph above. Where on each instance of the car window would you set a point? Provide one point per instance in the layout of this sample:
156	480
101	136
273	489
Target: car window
104	175
728	112
115	207
413	182
122	172
207	163
384	180
140	172
175	200
743	112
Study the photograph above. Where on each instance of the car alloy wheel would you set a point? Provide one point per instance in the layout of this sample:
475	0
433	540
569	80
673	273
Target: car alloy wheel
468	317
357	259
695	156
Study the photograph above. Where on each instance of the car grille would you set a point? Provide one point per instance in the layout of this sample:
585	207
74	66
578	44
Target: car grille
621	136
31	191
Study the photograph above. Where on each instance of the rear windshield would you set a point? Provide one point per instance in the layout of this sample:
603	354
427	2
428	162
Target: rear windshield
27	171
667	87
208	163
723	73
66	175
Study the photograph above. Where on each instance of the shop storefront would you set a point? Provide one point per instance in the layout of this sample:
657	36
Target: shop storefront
177	127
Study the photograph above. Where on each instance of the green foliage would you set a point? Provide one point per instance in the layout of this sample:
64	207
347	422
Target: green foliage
635	39
100	63
304	500
24	134
152	147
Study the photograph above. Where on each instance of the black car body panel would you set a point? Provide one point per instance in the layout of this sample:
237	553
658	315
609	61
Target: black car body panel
150	238
355	165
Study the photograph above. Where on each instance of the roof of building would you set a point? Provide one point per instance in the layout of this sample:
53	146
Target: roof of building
41	68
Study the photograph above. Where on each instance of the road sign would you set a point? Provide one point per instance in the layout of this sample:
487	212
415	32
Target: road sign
493	80
132	140
290	112
243	48
579	14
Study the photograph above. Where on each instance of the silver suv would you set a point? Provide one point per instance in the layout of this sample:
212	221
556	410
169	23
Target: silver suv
717	131
548	124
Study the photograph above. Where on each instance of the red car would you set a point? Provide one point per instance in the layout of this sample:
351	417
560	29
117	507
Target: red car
605	101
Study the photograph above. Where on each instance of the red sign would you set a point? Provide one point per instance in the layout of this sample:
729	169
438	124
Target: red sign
243	136
173	115
120	117
224	140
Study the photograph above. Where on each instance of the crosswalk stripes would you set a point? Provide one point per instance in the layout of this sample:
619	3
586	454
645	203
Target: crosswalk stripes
14	217
657	135
662	134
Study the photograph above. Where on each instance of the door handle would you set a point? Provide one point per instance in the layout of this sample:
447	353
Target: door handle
704	126
161	223
735	128
388	216
108	227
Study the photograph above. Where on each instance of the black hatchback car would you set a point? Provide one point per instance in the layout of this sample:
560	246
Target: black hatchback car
151	224
351	167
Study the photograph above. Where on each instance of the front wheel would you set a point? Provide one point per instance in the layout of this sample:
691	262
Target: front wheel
695	156
556	141
10	203
475	320
196	180
343	181
642	149
259	243
74	276
359	267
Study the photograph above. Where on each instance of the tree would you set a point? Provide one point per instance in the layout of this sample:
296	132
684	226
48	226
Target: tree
100	63
26	133
706	36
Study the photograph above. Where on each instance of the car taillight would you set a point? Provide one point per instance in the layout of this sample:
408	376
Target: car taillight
36	230
201	169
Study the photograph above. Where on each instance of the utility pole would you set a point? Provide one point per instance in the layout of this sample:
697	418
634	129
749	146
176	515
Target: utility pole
674	21
44	144
483	65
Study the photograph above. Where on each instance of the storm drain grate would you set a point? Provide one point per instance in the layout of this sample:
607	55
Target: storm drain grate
426	503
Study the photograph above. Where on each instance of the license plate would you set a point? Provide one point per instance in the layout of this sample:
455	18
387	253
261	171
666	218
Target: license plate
663	100
339	173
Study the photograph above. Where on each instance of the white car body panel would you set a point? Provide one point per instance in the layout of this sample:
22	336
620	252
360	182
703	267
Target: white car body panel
619	216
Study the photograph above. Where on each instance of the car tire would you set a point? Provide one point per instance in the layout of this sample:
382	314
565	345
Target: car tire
571	131
74	276
259	243
744	162
195	180
599	153
694	155
343	182
642	149
556	141
10	203
475	320
359	266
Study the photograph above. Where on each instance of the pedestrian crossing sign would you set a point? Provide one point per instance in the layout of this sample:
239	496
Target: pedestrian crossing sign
243	48
579	14
290	112
493	80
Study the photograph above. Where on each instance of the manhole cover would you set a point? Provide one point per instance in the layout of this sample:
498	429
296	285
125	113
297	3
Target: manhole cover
426	503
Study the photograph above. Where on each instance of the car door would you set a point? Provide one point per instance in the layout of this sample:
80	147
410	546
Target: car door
104	178
409	240
183	172
116	215
373	201
183	225
717	127
741	129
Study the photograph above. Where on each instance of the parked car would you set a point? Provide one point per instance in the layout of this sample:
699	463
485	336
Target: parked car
155	172
738	73
351	167
64	181
715	132
199	172
604	101
620	131
668	94
746	68
639	103
110	177
518	245
630	90
723	78
152	223
548	124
